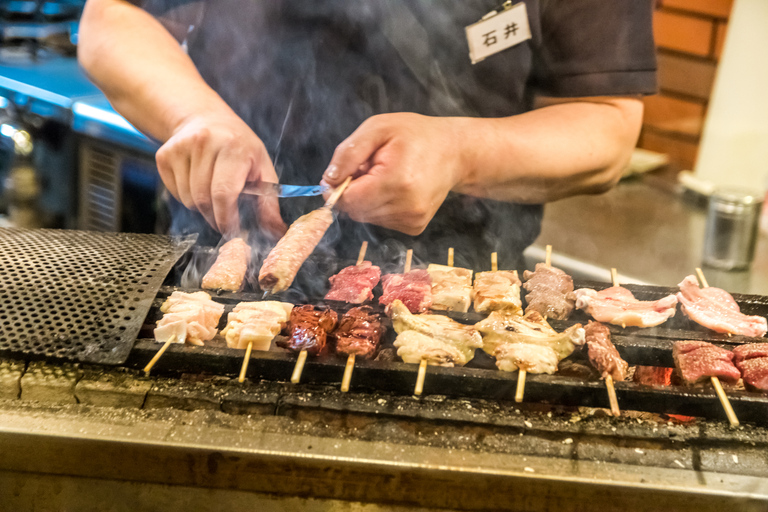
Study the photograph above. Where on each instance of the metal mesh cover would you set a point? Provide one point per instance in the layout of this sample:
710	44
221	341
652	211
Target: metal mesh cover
79	295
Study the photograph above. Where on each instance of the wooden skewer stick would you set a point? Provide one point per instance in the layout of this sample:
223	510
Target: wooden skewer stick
520	385
732	419
348	373
296	376
612	396
246	360
494	262
420	378
548	257
408	260
614	277
160	352
361	255
450	256
331	202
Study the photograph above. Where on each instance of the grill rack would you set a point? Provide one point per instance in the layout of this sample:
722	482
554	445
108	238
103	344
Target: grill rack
480	379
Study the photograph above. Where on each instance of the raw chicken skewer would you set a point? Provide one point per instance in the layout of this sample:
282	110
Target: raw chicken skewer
256	322
284	260
521	373
350	366
732	419
497	289
157	356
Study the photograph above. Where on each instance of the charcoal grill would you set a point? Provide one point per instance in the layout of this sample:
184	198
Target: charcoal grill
464	444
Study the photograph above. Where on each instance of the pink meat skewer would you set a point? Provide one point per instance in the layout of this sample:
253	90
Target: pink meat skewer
752	361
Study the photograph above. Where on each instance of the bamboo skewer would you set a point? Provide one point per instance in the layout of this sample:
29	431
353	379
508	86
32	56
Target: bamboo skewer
408	261
615	282
450	256
299	368
333	199
246	360
548	257
350	366
157	356
727	407
612	399
494	262
420	378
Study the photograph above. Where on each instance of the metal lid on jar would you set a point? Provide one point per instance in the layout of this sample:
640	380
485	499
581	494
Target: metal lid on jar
738	196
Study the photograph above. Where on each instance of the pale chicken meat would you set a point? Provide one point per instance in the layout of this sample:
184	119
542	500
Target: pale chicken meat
497	290
228	271
715	309
451	288
286	258
502	329
441	329
413	346
616	305
190	317
257	323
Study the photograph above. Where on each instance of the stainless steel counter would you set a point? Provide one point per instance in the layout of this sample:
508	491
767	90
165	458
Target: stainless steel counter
645	229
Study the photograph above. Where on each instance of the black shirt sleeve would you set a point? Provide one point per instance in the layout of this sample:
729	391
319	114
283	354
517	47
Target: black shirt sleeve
595	48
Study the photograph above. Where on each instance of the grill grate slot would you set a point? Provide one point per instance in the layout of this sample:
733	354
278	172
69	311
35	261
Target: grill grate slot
79	295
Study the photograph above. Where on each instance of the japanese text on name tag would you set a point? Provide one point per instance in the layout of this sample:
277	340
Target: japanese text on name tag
497	33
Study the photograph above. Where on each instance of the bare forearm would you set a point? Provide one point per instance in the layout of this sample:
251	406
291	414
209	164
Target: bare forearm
141	68
576	147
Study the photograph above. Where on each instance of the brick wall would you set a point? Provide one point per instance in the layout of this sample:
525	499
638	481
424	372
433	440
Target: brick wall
689	37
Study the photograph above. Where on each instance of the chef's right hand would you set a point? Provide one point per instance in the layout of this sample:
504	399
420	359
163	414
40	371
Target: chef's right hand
205	164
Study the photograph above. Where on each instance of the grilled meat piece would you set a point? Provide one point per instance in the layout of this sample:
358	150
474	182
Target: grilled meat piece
752	361
715	309
697	361
354	284
616	305
284	260
413	346
359	332
257	323
602	352
550	292
463	338
228	271
308	329
191	317
451	288
497	290
511	357
413	289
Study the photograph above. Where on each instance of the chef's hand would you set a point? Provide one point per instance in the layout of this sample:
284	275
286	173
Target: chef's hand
404	166
205	164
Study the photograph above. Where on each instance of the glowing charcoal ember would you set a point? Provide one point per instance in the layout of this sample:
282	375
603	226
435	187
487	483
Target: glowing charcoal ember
653	375
752	361
359	332
192	317
257	323
602	352
616	305
309	328
413	289
284	261
451	288
497	290
354	284
697	361
550	292
715	309
228	271
461	337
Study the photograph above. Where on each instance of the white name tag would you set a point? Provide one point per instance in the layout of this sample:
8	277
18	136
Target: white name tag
497	32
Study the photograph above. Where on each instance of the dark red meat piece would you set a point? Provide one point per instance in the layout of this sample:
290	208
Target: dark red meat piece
359	332
550	292
308	329
602	353
354	284
752	361
414	289
697	361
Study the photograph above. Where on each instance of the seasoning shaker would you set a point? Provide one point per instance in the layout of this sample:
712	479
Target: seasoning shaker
731	232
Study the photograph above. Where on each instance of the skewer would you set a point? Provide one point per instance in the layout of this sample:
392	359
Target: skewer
520	385
408	261
732	419
450	256
612	399
350	366
246	360
331	202
548	257
296	376
420	378
615	281
160	352
494	262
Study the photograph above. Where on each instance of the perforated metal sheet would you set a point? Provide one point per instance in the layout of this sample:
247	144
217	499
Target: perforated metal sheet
79	295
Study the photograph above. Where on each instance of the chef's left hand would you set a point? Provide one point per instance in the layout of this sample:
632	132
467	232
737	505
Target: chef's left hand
404	166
